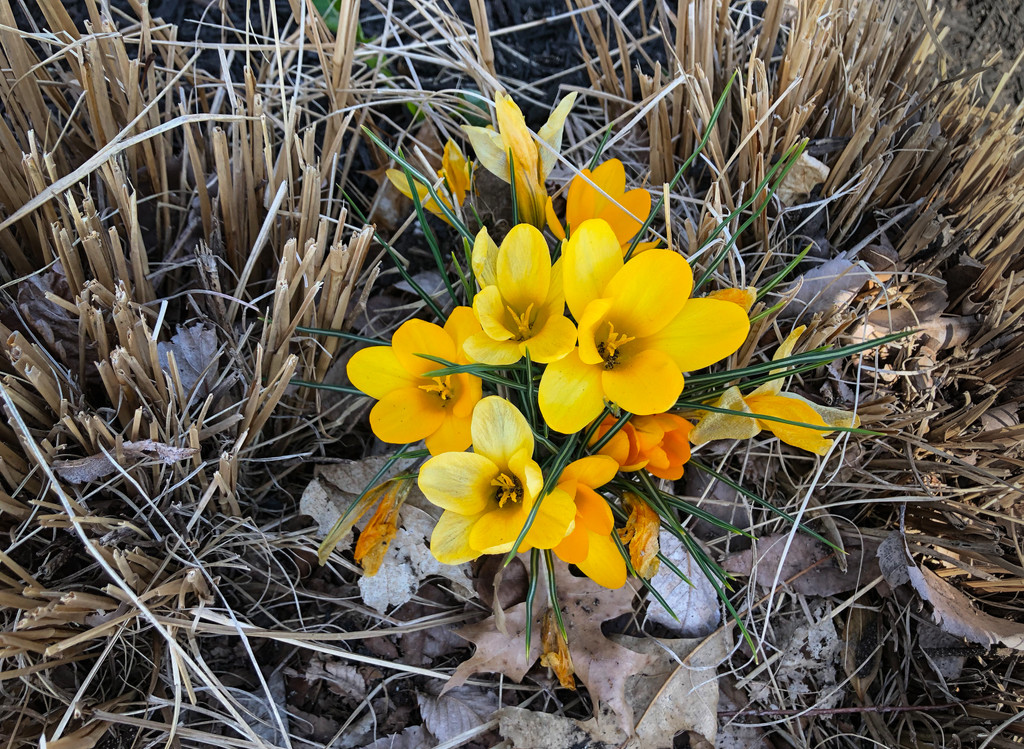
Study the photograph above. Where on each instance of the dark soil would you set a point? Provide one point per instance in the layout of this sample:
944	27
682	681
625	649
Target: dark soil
977	30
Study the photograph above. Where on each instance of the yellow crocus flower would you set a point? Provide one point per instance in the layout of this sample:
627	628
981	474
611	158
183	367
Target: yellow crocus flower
456	171
532	160
520	305
412	407
488	494
769	400
638	331
625	211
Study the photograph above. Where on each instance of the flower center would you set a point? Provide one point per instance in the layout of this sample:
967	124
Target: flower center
442	386
509	488
522	322
609	348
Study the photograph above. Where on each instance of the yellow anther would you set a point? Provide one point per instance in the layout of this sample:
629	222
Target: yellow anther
522	322
609	348
442	386
509	489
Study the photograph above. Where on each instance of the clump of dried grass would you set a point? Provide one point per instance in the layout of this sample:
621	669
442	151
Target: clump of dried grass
165	233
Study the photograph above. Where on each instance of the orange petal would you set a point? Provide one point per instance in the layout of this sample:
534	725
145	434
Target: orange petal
593	471
592	511
461	324
406	415
452	435
604	563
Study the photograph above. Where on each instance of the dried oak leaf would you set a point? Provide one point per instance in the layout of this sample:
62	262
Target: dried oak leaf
816	567
677	691
603	666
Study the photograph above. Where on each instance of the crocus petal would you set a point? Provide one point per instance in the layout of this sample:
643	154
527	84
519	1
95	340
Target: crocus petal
593	316
484	349
647	382
592	511
522	465
451	436
419	337
484	260
406	415
490	150
461	324
719	426
704	332
468	389
497	530
553	223
581	199
460	482
516	136
376	371
490	310
455	168
592	256
628	214
785	349
524	268
554	340
648	291
500	430
593	471
551	133
570	394
604	563
574	547
449	543
792	409
744	297
555	516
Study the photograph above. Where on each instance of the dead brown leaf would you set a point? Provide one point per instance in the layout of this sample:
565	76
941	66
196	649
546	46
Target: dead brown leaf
810	564
94	467
676	692
195	351
951	610
602	665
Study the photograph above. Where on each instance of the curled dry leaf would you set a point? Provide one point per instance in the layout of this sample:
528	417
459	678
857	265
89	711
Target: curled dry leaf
457	711
951	610
677	691
602	665
94	467
801	179
195	352
834	283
